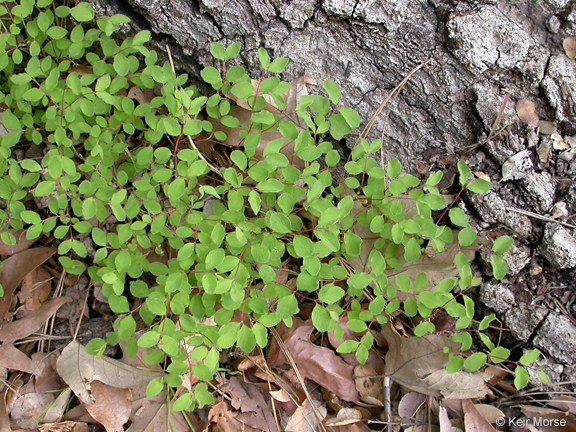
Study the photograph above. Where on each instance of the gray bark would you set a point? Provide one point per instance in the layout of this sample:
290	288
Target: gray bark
475	48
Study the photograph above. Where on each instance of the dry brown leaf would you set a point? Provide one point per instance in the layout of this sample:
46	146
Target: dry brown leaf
526	111
410	403
305	418
225	421
247	398
355	427
26	326
15	268
318	364
546	127
564	403
489	412
420	364
29	407
67	426
483	176
112	406
151	414
21	243
78	369
297	90
58	408
368	388
569	45
35	289
344	417
281	395
13	358
473	421
549	420
445	423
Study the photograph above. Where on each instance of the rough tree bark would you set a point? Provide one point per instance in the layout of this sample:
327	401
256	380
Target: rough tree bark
475	48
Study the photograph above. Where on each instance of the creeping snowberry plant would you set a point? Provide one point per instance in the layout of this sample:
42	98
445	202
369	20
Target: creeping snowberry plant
106	154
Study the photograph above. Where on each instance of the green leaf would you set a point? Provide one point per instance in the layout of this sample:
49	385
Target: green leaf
393	168
333	91
264	58
499	267
466	237
464	172
502	244
522	378
321	318
499	354
458	217
479	186
154	387
278	65
218	51
82	12
280	223
56	32
211	75
303	246
423	328
529	357
475	361
455	364
412	250
351	117
330	294
486	322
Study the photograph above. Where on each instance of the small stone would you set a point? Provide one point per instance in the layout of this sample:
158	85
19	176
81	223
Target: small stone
535	269
559	211
497	296
494	209
544	150
517	166
559	246
558	142
516	258
523	322
557	336
554	24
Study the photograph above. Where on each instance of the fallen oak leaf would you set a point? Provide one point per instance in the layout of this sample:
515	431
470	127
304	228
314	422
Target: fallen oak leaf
15	268
35	288
21	243
78	369
112	406
26	326
419	364
13	358
473	421
318	364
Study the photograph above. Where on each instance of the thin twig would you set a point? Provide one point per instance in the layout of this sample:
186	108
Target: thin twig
190	140
537	216
392	96
82	311
300	378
